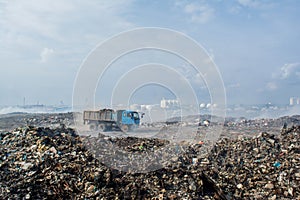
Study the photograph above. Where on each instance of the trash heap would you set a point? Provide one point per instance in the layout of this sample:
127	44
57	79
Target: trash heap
11	121
263	167
134	144
40	162
44	163
52	120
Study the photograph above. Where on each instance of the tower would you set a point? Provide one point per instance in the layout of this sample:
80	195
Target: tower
292	101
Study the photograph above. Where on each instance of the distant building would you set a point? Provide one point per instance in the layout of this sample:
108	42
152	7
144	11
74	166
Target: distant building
294	101
202	105
169	103
148	107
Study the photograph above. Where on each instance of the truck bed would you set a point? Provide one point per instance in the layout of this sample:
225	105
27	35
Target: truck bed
101	115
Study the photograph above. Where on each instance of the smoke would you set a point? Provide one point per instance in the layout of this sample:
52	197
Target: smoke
295	110
33	109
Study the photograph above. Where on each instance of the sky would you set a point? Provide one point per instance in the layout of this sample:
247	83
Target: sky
255	44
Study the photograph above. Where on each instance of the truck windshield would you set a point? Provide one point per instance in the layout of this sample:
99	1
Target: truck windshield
135	115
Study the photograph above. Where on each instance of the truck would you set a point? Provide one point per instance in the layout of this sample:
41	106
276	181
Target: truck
109	119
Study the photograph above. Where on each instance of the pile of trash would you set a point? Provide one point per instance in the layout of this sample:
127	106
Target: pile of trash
45	163
134	144
39	163
14	120
42	162
49	119
263	167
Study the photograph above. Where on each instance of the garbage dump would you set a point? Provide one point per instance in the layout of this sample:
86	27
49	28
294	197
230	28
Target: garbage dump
263	167
48	163
14	120
39	163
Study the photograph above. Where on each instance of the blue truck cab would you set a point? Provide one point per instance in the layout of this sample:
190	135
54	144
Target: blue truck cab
128	119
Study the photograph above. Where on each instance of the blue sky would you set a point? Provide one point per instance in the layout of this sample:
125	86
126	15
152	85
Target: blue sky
255	44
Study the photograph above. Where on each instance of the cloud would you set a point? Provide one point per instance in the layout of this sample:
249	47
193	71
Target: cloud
285	77
33	24
258	4
203	14
199	12
271	86
234	9
35	17
290	69
45	54
234	85
47	17
249	3
34	32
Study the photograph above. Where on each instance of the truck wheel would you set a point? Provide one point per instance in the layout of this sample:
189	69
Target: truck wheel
125	128
93	127
109	128
102	127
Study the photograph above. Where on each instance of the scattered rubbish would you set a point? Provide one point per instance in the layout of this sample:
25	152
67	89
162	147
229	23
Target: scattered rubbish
54	162
255	168
75	173
277	164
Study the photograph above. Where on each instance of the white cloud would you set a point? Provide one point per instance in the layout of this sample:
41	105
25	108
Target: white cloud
199	12
271	86
35	17
47	17
34	24
33	33
204	16
46	54
234	9
289	69
286	76
256	3
249	3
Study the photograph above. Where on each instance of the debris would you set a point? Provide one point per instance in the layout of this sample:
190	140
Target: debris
57	165
277	164
260	164
38	163
239	186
